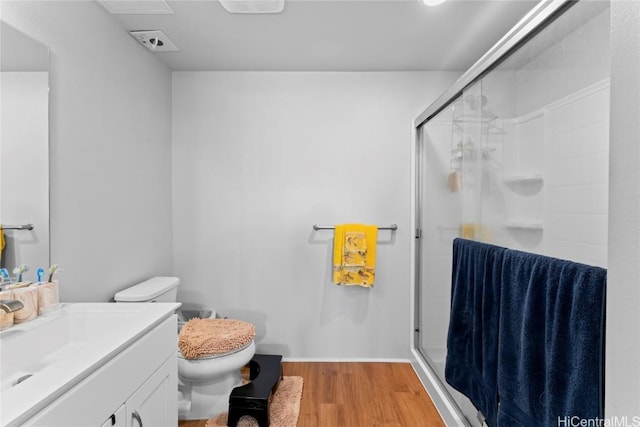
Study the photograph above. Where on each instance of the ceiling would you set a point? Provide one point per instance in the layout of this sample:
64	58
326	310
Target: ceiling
331	35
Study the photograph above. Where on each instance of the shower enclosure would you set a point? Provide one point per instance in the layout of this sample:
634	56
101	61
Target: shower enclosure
515	154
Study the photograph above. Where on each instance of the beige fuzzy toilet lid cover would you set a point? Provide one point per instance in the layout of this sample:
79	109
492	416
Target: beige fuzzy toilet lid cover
200	338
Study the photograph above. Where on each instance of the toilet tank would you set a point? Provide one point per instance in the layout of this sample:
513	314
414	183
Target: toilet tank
156	289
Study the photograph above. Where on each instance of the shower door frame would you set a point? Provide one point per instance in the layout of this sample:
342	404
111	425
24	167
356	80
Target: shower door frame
534	22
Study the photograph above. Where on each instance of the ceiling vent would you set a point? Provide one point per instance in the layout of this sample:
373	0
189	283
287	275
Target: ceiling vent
137	7
253	6
155	41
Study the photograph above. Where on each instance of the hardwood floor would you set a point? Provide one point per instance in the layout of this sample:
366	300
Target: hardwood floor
337	394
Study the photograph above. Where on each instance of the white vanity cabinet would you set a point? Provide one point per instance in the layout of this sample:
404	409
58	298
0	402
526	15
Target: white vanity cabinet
149	406
135	387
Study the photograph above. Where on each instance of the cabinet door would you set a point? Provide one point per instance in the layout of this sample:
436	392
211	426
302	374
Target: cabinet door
155	403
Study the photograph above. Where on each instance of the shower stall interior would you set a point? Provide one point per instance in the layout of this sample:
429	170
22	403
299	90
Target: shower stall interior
516	155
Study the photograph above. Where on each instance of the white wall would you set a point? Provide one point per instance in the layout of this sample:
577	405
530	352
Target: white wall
566	144
623	277
110	124
566	89
24	168
261	157
577	212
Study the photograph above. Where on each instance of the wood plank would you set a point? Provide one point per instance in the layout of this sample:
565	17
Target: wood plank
199	423
355	394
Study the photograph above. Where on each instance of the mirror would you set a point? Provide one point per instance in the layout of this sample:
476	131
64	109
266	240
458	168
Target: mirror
24	151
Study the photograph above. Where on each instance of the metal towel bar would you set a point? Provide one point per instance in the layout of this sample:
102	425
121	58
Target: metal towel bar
392	227
18	227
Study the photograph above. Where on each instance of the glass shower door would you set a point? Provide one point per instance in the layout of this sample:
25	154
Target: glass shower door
519	159
451	153
440	193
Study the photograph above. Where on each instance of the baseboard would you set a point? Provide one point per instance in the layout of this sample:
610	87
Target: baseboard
344	359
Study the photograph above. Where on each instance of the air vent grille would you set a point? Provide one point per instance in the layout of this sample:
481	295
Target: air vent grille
155	41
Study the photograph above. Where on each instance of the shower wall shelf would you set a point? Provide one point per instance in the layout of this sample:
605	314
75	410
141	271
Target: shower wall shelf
524	225
524	179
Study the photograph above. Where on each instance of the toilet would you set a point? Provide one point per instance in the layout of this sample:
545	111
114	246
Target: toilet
204	385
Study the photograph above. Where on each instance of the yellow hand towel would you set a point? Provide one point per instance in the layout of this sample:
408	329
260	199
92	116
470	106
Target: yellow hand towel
354	254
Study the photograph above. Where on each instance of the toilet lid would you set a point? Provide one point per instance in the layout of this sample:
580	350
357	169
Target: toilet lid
147	290
204	338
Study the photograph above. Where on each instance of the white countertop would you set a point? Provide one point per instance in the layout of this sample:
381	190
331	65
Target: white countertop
65	347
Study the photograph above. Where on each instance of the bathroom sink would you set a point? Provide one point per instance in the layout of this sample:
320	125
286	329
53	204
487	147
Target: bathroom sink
37	345
41	359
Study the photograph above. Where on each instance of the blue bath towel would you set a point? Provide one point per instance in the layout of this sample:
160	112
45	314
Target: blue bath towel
472	340
551	341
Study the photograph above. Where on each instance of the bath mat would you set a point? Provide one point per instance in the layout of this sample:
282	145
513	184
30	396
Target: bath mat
284	409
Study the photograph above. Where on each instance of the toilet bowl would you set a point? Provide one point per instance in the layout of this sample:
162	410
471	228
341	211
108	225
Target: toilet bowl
204	385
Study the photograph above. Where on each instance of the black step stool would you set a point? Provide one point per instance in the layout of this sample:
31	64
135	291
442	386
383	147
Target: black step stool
265	372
